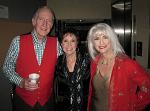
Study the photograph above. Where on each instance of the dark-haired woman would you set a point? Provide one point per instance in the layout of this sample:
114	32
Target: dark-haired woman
71	83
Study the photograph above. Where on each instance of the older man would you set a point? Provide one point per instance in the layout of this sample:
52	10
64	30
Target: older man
33	53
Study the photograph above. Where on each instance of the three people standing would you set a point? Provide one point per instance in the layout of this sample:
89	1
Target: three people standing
117	83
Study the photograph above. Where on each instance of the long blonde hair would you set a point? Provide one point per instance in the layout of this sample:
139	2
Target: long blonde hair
103	27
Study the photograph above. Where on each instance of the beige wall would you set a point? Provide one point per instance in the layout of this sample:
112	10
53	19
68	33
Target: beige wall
81	9
141	11
7	31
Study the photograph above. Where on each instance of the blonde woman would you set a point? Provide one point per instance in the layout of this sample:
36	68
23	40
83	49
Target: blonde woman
117	82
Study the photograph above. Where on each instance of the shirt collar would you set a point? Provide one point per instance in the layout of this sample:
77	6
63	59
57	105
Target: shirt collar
35	39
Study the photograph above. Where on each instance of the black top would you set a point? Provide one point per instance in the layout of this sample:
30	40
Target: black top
71	90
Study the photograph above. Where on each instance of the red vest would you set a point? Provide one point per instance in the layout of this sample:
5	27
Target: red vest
27	63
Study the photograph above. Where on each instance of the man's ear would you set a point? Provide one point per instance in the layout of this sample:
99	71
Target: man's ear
33	21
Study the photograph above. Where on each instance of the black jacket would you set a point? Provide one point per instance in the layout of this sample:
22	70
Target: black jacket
71	90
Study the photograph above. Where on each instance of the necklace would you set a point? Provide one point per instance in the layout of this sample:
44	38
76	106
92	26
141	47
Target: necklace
104	62
105	67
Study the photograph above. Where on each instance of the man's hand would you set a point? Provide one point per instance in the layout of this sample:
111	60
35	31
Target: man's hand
26	84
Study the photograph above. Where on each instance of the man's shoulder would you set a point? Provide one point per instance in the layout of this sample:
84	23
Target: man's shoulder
25	34
52	38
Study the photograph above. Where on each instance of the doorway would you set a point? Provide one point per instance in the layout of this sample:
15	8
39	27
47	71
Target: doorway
122	22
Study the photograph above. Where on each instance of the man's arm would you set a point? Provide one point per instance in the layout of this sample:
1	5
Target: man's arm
9	65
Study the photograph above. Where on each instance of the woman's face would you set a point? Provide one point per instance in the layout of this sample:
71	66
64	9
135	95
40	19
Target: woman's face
102	43
69	44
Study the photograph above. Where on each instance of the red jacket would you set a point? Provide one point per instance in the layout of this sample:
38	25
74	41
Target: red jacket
126	76
27	63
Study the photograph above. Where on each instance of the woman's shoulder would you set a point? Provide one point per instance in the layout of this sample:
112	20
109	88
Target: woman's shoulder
83	56
96	59
125	60
86	56
61	56
60	59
